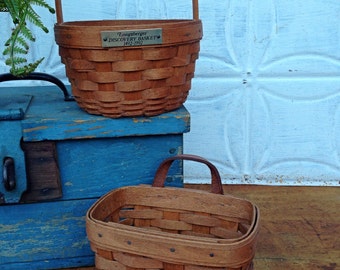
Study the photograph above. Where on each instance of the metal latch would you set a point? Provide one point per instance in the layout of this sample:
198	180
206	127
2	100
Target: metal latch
8	174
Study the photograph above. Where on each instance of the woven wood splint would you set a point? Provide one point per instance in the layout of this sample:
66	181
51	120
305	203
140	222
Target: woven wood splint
129	80
155	227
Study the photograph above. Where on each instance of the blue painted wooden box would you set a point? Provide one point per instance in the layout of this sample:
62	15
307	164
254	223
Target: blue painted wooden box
81	157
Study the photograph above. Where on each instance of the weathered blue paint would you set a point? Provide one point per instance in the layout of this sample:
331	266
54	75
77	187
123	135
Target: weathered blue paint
44	235
51	118
12	108
84	164
10	135
95	154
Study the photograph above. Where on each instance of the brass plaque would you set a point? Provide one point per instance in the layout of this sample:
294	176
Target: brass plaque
140	37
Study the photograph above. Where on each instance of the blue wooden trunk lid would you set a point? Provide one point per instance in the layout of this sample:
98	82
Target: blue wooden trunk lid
51	118
13	107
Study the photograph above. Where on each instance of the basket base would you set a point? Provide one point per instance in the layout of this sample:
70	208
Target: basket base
130	262
132	110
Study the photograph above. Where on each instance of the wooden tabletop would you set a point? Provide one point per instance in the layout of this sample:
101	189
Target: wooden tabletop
300	226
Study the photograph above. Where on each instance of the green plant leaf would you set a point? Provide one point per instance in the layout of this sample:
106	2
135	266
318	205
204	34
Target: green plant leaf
17	46
16	49
43	4
22	71
34	18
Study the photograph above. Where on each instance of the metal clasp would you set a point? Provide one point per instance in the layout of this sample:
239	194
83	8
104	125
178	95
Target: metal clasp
8	174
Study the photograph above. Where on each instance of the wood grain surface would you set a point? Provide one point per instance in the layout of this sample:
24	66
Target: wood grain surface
300	226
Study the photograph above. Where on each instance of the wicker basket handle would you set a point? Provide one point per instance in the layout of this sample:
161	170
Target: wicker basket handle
60	19
162	171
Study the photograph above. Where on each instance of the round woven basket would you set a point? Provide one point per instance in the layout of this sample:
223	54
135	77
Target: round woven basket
124	79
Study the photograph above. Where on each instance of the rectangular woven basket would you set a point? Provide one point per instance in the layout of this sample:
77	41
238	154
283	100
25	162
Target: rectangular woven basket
129	80
156	227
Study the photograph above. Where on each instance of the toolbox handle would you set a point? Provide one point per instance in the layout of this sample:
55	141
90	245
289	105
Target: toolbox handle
60	19
162	171
38	76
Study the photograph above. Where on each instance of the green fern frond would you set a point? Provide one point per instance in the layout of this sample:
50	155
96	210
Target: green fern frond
13	8
17	47
34	18
26	33
43	4
21	41
22	71
17	60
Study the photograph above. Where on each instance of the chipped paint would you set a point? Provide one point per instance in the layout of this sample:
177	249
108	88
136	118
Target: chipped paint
80	244
9	228
56	231
85	121
96	128
35	129
141	120
79	122
48	119
68	184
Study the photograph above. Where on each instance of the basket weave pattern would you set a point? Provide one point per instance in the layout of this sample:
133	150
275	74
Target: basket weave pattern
144	227
144	79
196	224
131	81
123	261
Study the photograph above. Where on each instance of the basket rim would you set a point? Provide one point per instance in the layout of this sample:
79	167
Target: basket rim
198	239
162	246
81	34
253	226
124	22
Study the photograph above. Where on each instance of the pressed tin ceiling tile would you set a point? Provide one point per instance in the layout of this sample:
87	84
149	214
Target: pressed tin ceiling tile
268	76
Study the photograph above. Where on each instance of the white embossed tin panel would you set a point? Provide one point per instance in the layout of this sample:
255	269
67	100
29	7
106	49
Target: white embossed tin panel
265	102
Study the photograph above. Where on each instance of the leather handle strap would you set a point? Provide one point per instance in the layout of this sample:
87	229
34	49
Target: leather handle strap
162	171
